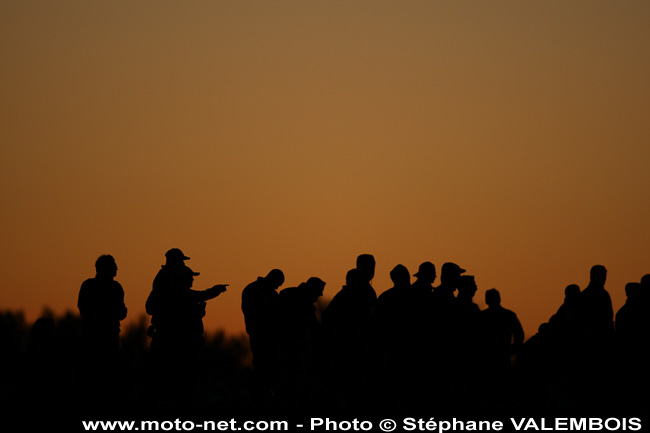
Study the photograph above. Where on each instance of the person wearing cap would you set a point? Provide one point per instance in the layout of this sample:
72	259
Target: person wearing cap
442	328
177	313
424	278
424	352
449	278
175	259
301	337
260	305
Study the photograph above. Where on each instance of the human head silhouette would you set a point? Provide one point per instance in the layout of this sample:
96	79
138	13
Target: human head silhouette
632	290
353	277
400	276
316	286
186	276
598	275
366	264
571	293
467	286
105	266
645	281
426	273
175	258
450	273
275	278
492	298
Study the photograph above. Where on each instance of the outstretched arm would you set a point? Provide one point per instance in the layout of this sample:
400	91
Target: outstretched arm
211	293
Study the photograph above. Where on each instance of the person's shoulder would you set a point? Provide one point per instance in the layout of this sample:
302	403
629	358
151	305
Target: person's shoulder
512	314
254	284
89	282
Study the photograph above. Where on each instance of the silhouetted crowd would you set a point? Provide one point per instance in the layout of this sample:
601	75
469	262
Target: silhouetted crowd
420	345
416	346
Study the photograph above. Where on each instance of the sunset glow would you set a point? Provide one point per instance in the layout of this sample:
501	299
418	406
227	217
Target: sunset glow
509	137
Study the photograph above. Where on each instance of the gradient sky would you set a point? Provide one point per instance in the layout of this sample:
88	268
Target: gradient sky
510	137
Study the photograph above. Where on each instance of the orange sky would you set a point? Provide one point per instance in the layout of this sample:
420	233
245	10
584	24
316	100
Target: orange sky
510	137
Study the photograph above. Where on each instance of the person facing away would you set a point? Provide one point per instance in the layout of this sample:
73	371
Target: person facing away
301	339
260	305
502	336
300	326
102	308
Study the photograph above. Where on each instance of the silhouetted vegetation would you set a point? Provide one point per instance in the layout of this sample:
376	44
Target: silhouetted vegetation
41	362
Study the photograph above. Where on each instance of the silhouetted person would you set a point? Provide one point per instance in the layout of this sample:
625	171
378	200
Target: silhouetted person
394	300
366	266
449	277
176	330
633	345
394	310
539	371
101	306
424	279
630	317
165	279
397	339
549	361
466	311
594	381
442	328
261	308
645	290
502	335
564	339
465	339
566	320
347	312
301	339
423	316
597	314
466	290
346	325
